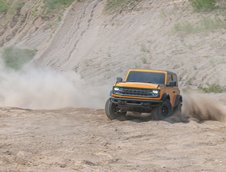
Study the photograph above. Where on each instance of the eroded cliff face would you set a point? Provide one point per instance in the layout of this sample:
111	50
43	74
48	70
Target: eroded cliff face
99	45
154	34
29	24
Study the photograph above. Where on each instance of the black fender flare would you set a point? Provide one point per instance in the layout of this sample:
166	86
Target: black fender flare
165	97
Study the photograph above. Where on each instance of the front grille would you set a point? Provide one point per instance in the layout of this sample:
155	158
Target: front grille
123	91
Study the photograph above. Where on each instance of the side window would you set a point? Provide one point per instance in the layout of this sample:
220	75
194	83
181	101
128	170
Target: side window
170	77
175	79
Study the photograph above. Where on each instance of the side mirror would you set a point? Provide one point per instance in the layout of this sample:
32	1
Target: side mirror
171	84
119	79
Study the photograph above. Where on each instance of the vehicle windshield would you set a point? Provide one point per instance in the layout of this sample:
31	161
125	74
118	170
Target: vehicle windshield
146	77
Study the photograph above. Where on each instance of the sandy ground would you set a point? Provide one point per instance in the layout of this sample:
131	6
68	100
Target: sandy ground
84	140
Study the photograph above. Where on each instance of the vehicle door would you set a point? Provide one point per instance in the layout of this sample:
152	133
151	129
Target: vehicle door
172	90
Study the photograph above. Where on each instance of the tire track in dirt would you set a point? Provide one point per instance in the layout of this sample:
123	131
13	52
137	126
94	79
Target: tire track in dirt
70	34
86	28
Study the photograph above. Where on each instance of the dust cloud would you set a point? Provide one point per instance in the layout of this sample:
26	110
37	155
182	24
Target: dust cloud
35	87
203	107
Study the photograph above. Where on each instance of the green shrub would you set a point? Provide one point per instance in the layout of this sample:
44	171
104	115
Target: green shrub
56	4
13	8
116	5
214	88
185	27
206	24
203	5
16	58
3	6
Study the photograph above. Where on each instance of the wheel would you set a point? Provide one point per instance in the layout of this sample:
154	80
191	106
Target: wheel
178	108
113	112
163	111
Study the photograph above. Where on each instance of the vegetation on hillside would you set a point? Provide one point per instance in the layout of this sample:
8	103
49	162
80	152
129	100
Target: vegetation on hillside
205	24
118	5
16	58
3	6
214	88
11	8
57	4
203	5
49	4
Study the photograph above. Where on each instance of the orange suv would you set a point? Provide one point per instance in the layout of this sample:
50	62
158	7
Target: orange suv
145	91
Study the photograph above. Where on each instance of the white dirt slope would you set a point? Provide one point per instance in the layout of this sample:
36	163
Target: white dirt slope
100	46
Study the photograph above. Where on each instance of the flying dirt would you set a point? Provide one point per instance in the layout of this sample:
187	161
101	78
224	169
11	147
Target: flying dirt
44	88
204	107
36	87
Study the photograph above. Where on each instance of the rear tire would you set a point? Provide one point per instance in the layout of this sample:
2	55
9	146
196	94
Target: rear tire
163	111
178	108
113	112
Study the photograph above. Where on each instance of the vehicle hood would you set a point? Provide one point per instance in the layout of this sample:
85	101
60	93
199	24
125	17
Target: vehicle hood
137	85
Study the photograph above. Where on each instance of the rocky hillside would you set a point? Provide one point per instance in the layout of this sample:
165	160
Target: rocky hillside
30	24
101	39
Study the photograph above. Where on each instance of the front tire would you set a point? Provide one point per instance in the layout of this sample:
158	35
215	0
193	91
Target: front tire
163	111
112	111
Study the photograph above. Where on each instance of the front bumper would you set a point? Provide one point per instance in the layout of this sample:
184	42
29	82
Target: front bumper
136	105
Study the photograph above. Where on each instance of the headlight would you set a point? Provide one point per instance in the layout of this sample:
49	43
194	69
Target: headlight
155	91
116	88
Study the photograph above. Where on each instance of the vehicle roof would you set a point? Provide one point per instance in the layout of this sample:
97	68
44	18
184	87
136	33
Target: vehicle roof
152	70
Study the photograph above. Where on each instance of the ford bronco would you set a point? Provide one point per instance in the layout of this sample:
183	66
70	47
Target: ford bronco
145	91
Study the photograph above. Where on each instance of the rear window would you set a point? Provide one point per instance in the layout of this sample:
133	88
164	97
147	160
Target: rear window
146	77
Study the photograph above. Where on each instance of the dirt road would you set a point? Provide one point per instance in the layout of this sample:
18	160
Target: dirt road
84	140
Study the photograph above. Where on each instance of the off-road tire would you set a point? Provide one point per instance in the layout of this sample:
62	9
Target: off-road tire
163	111
178	108
112	112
